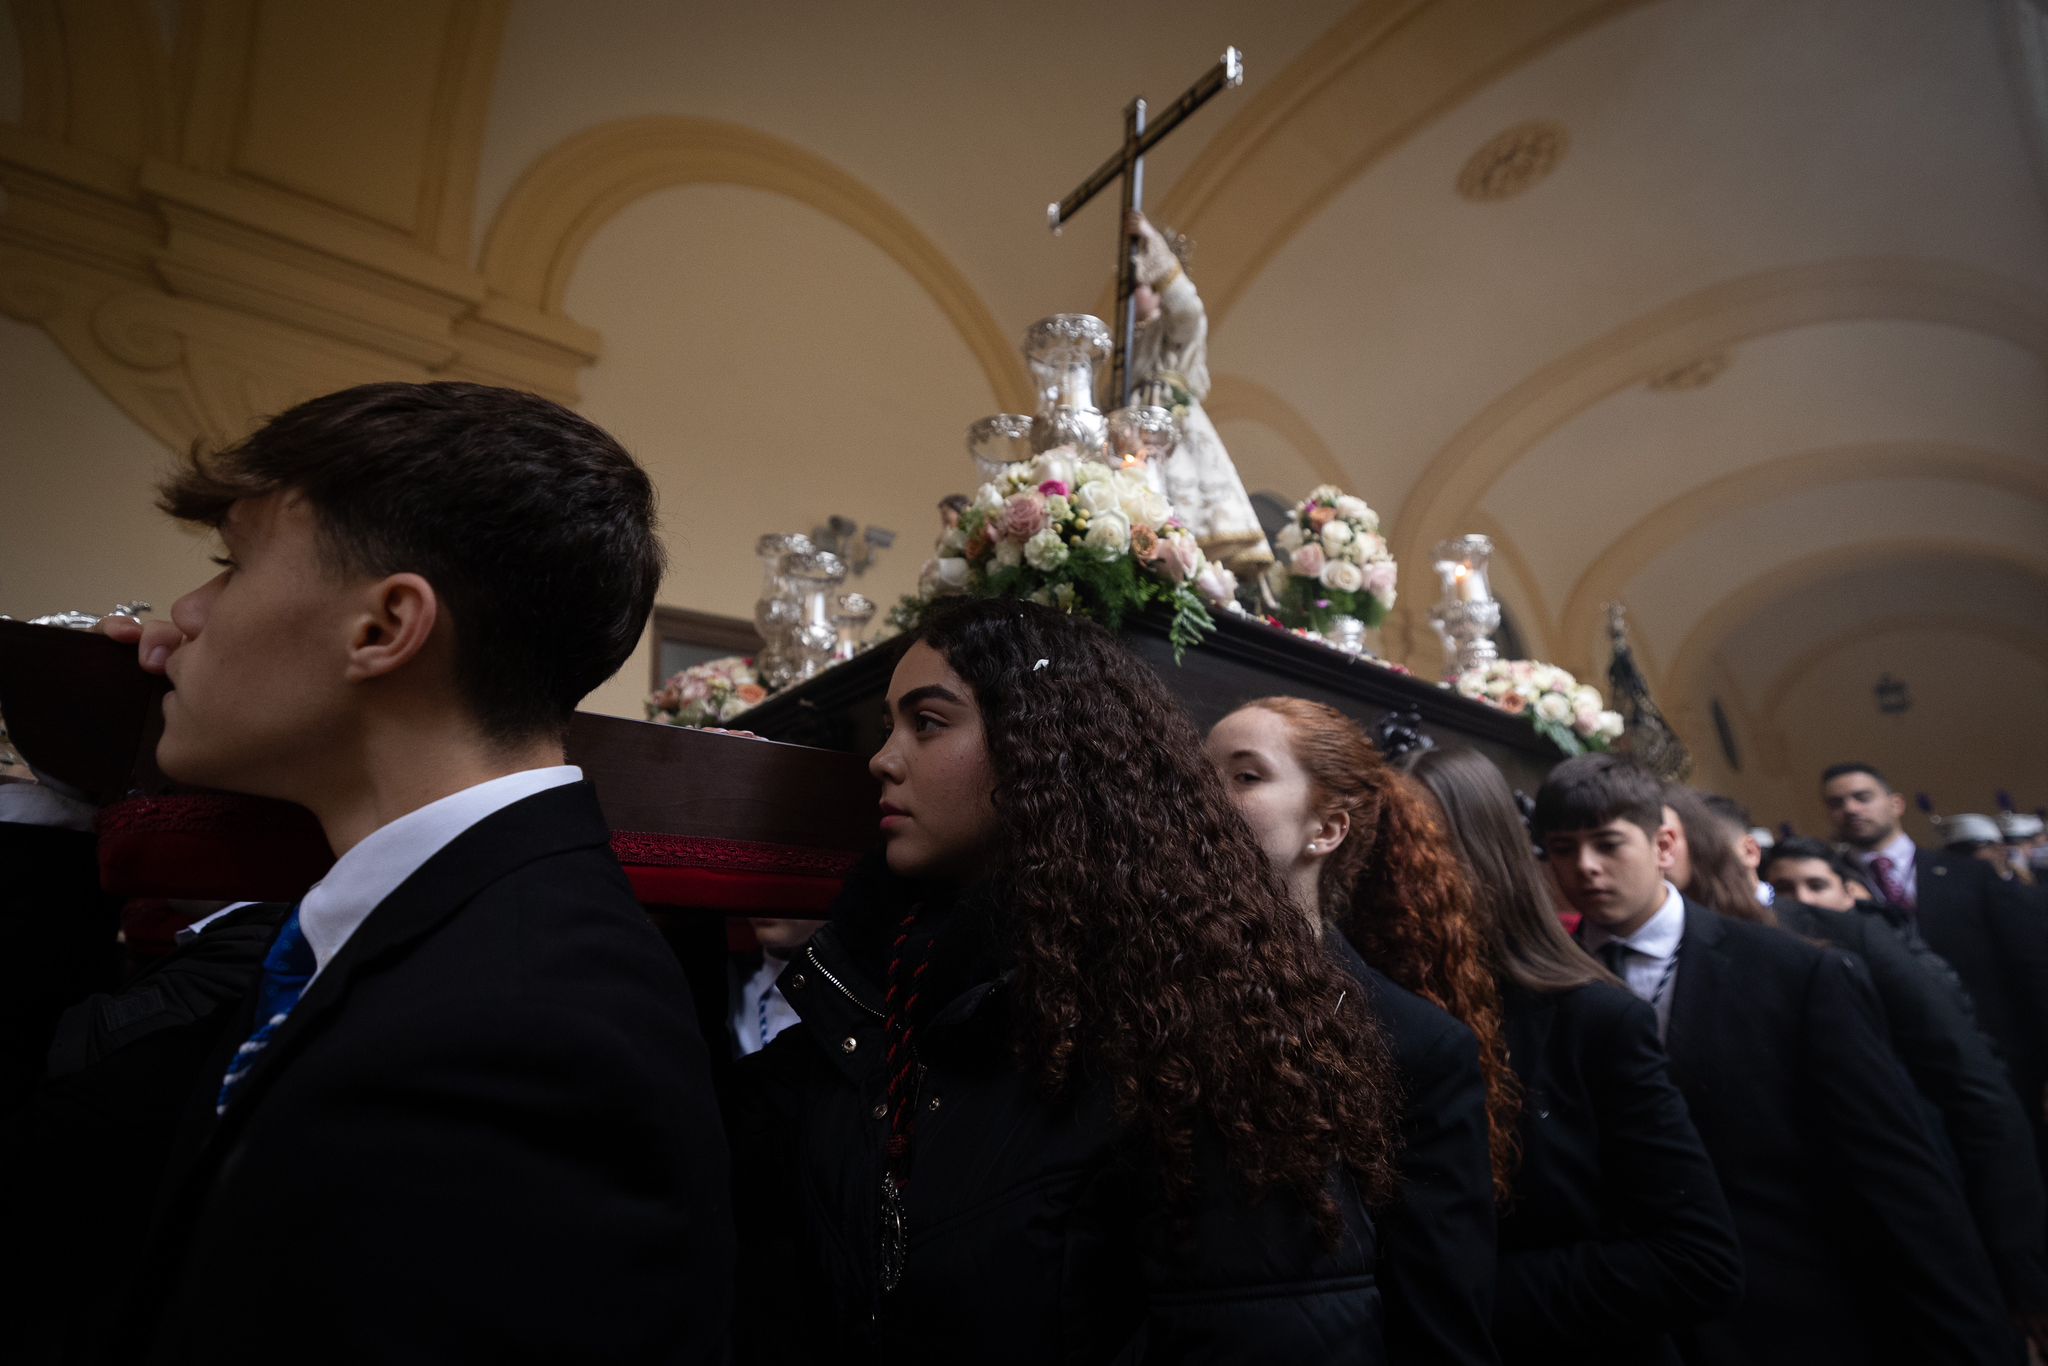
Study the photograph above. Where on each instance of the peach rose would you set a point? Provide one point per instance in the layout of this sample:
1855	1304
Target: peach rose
1144	543
1320	517
753	694
977	544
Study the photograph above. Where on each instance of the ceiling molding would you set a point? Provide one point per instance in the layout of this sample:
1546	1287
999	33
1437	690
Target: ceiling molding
563	199
1766	482
1714	318
2022	637
1791	580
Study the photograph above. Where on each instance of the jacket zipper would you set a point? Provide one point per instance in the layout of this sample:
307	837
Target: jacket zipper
811	954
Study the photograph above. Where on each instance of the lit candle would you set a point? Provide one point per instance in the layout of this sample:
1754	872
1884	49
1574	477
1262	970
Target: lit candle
1471	586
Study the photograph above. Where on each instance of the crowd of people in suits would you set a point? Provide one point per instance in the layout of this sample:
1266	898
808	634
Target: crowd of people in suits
1128	1044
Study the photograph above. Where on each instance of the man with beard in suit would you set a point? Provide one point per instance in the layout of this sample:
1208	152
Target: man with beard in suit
1857	1246
464	1112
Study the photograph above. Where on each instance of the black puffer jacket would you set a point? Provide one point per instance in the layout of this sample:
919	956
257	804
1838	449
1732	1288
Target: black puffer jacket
1037	1233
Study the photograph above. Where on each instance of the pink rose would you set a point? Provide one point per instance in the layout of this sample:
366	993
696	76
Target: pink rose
1023	516
1308	560
1180	558
1379	579
1053	488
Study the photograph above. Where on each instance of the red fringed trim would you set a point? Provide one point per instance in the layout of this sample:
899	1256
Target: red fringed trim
645	849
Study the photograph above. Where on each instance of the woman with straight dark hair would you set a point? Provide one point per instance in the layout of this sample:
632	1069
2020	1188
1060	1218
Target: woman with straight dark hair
1616	1236
1362	855
1071	1082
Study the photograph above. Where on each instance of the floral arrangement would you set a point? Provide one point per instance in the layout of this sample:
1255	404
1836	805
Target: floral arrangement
1331	562
707	694
1571	714
1078	535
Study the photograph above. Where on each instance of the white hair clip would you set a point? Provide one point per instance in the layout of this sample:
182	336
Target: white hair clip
1040	665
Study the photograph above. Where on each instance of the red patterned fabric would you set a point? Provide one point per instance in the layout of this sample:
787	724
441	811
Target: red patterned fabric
216	847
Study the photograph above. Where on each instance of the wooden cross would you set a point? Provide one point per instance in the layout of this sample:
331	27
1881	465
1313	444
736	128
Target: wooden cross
1128	164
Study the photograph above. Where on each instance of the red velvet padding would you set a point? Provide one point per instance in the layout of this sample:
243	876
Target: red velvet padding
203	846
766	894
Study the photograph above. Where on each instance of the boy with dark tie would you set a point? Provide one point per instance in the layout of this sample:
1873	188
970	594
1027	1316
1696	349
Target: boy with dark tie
465	1111
1856	1242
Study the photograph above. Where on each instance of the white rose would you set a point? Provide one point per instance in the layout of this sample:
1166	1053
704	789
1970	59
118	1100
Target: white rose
1336	535
1053	465
1585	695
1554	707
951	573
1110	531
1045	552
1009	554
1131	491
1471	685
1352	509
988	498
1154	509
1342	576
1289	539
1099	496
1217	584
1610	725
1375	546
1090	472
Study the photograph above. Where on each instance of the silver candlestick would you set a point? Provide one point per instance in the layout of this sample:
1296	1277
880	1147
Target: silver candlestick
776	611
851	613
1468	614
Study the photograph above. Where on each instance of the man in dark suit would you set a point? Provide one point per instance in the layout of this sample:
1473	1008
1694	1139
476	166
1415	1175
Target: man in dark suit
1951	1064
464	1112
1856	1242
1983	927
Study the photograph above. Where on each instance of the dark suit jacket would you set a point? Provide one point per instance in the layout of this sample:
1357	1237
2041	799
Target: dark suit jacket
80	1161
1998	945
1436	1241
486	1133
1617	1234
1856	1243
1979	1118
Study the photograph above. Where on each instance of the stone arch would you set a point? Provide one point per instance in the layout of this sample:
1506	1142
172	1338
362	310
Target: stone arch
1632	551
1711	319
563	199
1792	579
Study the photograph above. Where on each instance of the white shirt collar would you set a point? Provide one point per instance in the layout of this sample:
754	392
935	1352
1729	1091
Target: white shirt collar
337	905
1658	937
1899	849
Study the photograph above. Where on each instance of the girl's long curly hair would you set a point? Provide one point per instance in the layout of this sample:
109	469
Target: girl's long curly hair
1155	951
1397	889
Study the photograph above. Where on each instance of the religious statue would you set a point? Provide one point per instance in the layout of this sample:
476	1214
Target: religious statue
1170	358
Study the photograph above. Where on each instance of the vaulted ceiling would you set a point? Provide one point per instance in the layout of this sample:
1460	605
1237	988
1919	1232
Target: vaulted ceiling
1735	311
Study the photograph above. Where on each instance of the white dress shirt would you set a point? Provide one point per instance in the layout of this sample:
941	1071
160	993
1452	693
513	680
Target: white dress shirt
337	905
758	1011
1900	849
1650	968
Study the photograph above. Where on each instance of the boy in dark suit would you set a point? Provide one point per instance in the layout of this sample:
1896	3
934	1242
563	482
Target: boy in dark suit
1856	1243
465	1111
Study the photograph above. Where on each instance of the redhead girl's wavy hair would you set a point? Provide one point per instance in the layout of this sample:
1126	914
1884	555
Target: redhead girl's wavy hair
1399	892
1155	951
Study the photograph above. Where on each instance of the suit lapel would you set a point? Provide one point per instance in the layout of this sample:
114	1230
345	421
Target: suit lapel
1695	992
1933	888
555	821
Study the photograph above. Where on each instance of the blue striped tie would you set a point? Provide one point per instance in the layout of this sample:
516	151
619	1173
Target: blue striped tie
286	970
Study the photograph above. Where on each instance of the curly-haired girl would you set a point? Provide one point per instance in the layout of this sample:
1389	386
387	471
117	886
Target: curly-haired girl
1070	1083
1366	862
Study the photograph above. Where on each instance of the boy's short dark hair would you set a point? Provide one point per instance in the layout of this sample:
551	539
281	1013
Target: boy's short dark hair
1595	789
535	527
1834	771
1729	811
1800	847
